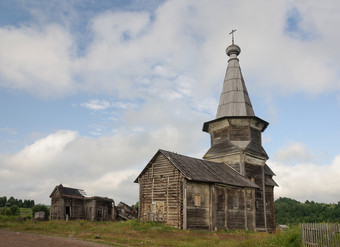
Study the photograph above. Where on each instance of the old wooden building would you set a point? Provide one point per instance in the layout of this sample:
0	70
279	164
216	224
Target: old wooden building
70	204
231	187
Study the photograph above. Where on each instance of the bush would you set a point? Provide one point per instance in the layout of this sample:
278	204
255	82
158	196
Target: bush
40	207
11	211
14	210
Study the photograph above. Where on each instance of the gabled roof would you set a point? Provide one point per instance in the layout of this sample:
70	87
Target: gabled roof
66	192
203	170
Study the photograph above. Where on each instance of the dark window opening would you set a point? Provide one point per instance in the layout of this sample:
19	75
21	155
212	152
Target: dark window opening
67	211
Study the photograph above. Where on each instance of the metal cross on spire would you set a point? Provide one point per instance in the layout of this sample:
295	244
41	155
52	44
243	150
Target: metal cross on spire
232	34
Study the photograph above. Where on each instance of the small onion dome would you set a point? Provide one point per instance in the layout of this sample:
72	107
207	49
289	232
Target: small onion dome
233	49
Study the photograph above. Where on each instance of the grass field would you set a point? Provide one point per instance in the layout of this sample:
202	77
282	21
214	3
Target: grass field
134	233
25	211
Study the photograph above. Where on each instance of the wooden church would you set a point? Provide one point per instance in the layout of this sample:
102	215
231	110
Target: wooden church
231	187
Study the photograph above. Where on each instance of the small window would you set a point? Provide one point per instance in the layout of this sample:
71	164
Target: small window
249	207
235	203
197	200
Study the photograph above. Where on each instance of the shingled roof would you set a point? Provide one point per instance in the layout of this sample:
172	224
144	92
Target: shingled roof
67	192
203	170
234	99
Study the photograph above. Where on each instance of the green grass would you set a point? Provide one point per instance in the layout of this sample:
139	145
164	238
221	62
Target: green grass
25	212
135	233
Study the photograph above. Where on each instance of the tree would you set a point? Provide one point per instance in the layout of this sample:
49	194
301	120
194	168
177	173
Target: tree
135	206
20	204
3	201
14	210
289	211
11	201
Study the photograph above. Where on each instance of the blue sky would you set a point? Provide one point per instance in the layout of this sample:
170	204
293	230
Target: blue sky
90	90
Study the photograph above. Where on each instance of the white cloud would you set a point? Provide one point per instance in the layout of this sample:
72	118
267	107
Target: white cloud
37	60
305	179
41	151
295	152
182	40
103	166
97	104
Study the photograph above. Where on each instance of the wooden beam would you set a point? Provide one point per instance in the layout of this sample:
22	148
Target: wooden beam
245	210
264	198
184	204
225	208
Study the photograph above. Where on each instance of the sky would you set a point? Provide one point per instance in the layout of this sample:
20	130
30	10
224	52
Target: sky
90	90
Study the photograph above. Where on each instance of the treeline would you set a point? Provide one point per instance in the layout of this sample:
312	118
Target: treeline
290	211
18	202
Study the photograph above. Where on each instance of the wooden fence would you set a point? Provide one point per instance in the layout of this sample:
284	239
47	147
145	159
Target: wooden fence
320	234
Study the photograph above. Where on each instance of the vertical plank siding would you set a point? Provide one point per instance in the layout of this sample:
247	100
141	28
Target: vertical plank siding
320	234
198	215
161	193
270	214
255	172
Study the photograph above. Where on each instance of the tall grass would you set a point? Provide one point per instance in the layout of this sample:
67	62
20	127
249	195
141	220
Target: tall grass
135	233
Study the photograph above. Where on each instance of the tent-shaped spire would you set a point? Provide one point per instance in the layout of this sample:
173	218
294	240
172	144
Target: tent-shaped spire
234	99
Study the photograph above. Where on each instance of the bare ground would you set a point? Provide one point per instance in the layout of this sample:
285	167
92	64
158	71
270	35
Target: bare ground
16	239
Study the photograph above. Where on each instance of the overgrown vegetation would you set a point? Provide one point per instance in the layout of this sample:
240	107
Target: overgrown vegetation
11	211
135	233
40	207
290	211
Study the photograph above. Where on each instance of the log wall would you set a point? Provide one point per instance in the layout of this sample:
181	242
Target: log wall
60	206
220	207
271	224
198	205
161	193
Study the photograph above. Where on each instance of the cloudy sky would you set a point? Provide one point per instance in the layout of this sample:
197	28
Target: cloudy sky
90	90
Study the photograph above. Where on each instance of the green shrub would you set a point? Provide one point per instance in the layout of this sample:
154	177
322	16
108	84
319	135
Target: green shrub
40	207
14	210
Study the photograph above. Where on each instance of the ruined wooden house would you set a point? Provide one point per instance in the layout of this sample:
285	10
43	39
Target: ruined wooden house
231	187
70	204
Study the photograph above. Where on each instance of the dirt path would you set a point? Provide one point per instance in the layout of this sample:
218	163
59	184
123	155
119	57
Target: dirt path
16	239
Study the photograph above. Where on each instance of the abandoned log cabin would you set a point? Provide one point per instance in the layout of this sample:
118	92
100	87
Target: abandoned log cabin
231	187
70	204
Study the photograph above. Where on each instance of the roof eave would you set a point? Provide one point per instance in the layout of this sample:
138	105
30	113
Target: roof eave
206	124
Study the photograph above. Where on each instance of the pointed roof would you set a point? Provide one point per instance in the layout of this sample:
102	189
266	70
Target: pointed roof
234	99
203	170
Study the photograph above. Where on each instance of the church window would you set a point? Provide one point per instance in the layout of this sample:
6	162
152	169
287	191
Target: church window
235	203
197	200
